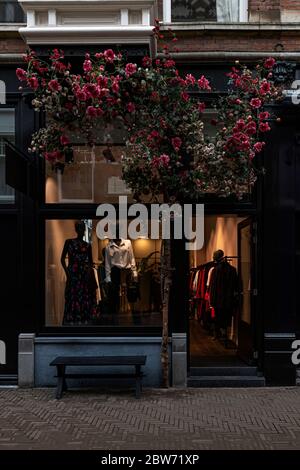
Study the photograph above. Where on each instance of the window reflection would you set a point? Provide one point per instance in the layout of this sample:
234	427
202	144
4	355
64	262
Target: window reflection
205	10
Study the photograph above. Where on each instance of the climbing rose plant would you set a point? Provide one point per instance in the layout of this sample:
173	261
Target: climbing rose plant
167	153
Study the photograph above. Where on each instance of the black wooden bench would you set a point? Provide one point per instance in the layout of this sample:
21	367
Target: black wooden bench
62	362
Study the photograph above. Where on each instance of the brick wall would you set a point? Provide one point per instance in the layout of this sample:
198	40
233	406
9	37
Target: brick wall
11	45
245	42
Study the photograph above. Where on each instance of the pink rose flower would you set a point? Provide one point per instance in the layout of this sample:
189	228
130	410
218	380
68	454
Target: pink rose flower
269	63
102	81
33	83
91	90
240	125
251	128
64	140
190	79
162	161
57	54
54	85
169	63
147	61
130	107
255	103
238	101
264	127
176	142
258	146
109	55
185	96
203	83
91	111
264	115
130	69
81	95
21	74
115	87
265	88
99	55
87	66
201	107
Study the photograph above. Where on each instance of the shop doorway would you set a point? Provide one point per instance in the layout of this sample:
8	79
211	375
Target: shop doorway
221	317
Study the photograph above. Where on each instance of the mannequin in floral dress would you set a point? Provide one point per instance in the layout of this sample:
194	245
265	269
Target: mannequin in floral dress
80	291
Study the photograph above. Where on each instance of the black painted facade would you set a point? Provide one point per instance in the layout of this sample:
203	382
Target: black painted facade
274	206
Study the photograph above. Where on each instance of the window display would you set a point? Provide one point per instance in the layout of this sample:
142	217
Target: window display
100	282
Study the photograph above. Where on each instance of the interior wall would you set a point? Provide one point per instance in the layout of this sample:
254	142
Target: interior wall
220	233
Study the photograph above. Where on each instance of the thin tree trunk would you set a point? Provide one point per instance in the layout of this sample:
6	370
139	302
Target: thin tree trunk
166	282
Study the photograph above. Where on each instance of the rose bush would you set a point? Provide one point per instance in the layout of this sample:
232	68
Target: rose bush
154	103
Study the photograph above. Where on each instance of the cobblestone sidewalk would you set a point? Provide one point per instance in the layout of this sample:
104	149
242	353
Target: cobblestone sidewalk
195	419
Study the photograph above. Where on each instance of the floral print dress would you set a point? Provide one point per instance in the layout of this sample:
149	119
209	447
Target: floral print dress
80	294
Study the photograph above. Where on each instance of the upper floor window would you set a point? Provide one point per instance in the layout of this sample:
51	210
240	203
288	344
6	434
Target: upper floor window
226	11
11	12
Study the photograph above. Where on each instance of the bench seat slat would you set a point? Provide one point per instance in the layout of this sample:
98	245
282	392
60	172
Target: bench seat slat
101	376
99	361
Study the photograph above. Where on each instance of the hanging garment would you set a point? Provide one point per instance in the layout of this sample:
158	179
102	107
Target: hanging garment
80	291
223	292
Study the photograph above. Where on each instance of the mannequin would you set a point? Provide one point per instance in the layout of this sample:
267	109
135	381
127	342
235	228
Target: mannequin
120	268
80	291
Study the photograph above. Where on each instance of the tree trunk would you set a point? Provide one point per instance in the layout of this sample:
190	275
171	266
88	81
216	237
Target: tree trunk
166	282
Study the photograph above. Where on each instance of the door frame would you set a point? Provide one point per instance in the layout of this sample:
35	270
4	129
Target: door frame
247	333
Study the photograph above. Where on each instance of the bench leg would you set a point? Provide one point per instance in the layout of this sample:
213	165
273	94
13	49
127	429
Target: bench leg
138	382
60	381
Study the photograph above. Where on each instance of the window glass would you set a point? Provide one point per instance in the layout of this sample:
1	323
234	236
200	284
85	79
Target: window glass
11	12
205	10
90	283
7	131
96	174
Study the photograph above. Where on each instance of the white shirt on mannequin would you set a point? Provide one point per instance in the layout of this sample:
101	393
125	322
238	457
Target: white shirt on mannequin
119	255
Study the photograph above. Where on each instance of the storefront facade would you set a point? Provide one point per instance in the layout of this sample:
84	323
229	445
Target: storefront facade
260	233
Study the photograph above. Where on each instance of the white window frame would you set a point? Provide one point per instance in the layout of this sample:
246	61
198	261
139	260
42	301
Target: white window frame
167	11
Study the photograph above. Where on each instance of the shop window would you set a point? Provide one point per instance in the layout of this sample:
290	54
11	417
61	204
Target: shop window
89	283
227	11
95	175
11	12
7	131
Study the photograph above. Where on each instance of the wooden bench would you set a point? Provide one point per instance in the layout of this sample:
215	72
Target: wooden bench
62	362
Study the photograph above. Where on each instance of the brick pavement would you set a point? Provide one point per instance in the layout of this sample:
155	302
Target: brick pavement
195	419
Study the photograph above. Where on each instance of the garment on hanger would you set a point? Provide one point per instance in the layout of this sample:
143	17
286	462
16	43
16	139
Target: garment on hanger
198	301
223	292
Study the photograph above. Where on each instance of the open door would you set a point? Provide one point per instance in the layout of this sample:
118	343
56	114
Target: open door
246	270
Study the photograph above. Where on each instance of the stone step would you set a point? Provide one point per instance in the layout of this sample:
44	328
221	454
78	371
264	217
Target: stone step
223	371
225	381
